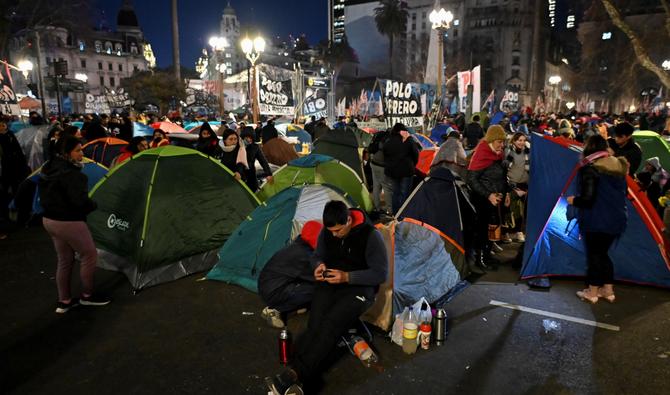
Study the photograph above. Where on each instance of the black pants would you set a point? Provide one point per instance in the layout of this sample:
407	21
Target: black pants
600	267
289	297
335	309
486	214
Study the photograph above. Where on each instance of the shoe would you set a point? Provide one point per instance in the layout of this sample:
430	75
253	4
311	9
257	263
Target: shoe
273	317
301	311
506	239
585	296
519	237
94	300
285	383
496	247
62	308
610	298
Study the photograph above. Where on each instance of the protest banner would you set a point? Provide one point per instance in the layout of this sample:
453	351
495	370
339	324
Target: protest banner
8	102
275	91
97	104
402	102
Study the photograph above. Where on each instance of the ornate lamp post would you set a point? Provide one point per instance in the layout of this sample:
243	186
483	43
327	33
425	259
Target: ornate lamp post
252	50
441	21
554	80
219	45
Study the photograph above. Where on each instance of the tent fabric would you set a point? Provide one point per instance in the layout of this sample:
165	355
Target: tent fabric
32	140
426	142
553	246
28	103
164	205
344	145
278	152
653	144
426	157
318	169
140	129
269	228
168	127
302	136
104	150
438	131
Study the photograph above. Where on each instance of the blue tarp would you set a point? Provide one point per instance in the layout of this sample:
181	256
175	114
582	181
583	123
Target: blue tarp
140	129
310	160
438	131
558	250
423	140
302	136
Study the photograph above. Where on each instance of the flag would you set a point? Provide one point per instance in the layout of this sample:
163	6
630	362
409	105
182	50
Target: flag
539	105
488	103
656	104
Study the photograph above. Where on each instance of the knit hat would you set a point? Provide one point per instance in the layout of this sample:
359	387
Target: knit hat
654	162
495	132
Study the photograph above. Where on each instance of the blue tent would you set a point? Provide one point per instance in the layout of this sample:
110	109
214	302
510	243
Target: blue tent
17	126
301	134
140	129
553	246
438	131
424	141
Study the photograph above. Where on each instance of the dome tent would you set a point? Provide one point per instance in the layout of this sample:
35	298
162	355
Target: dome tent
104	150
163	214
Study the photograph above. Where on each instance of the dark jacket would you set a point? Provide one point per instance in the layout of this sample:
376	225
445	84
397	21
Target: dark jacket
13	167
473	133
209	147
376	148
492	179
268	133
286	265
362	252
602	196
229	159
631	151
255	153
320	129
400	157
64	191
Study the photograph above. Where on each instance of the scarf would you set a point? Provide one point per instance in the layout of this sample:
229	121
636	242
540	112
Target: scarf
241	154
483	157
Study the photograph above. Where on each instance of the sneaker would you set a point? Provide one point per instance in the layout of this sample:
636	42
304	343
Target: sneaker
273	317
94	300
495	247
507	239
519	237
62	308
285	383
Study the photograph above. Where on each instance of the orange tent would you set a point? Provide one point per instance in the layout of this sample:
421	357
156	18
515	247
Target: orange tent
426	156
168	127
28	103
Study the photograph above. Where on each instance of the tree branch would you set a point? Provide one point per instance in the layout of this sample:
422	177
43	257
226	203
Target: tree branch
666	7
640	51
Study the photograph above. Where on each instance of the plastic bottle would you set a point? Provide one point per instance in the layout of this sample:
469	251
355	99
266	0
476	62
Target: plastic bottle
361	349
410	332
425	328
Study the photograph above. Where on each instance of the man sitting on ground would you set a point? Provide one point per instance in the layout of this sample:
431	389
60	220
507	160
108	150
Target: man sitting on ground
349	264
286	283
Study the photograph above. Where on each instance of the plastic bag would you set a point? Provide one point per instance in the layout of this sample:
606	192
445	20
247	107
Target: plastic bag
396	331
416	308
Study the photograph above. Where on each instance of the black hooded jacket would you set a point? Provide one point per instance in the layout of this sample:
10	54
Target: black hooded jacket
64	191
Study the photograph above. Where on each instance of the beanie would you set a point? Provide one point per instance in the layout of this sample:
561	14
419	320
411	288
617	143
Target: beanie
495	132
623	129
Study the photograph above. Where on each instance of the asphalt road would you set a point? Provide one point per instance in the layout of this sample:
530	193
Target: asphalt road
197	337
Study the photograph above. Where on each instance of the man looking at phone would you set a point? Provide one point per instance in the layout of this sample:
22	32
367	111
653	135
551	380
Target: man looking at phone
349	263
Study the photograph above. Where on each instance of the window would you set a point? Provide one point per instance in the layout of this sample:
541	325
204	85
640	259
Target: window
99	65
515	73
83	63
112	82
110	66
515	60
133	49
108	47
228	55
118	49
135	67
82	46
413	26
98	46
120	67
102	81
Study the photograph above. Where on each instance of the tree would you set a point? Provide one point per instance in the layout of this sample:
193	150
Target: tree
301	43
391	19
336	54
641	50
154	87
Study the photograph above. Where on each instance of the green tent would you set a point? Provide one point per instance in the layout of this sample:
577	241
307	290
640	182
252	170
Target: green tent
653	144
345	145
269	228
162	214
318	169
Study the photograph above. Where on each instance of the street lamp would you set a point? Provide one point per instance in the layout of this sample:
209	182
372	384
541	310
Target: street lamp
554	80
252	50
25	66
666	65
441	21
219	44
81	77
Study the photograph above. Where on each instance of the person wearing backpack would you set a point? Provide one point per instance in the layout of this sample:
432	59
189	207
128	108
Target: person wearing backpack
380	181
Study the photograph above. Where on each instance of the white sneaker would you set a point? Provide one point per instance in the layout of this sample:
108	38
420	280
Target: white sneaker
495	247
273	317
519	237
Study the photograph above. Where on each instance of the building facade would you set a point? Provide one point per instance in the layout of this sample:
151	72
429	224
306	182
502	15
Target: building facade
97	60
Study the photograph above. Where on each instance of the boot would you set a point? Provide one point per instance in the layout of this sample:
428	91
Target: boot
474	261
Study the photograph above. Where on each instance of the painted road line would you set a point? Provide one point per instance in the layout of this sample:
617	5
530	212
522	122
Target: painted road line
555	315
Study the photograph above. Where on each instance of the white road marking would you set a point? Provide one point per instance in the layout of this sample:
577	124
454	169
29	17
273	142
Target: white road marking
555	315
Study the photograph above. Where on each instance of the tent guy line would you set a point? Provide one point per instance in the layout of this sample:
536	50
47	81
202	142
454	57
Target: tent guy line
555	315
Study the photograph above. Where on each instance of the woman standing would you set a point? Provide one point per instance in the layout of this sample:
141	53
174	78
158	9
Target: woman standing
400	156
602	216
234	156
518	162
254	153
64	196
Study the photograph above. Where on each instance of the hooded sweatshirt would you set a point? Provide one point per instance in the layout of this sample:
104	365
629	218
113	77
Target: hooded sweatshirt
64	191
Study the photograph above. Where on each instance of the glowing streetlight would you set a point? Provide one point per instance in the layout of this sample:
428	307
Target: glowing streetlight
81	77
25	66
554	80
252	50
441	21
666	65
219	44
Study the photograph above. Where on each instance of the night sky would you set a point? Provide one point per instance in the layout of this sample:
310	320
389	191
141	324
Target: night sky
199	20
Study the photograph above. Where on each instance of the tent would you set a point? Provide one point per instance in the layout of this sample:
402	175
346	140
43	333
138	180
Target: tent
345	145
426	157
168	127
653	144
163	213
140	129
438	131
299	133
426	143
104	150
269	228
318	169
28	103
553	246
278	152
427	253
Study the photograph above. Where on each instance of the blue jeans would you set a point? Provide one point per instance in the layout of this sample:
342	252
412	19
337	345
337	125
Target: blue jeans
401	190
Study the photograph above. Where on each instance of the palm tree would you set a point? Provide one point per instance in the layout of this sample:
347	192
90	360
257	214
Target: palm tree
391	19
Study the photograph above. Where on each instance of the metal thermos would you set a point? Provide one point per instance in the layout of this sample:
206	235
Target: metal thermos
284	347
440	326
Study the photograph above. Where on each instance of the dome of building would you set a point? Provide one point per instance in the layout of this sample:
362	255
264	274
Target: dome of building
126	16
229	10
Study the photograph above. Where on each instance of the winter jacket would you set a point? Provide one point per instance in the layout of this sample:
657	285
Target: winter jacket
473	133
487	173
287	265
64	191
400	157
518	165
209	147
602	196
361	253
255	153
376	148
13	167
268	133
631	151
